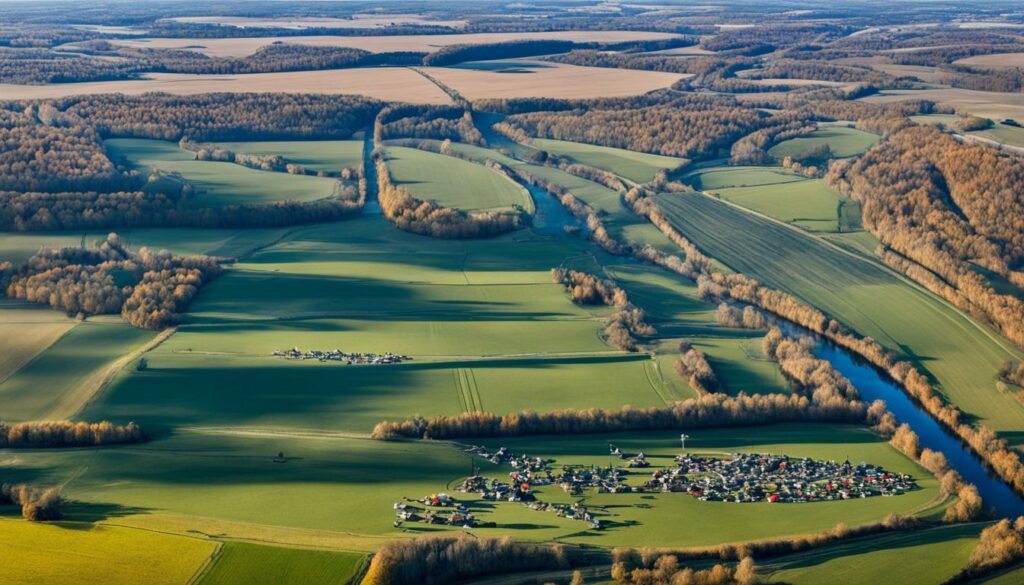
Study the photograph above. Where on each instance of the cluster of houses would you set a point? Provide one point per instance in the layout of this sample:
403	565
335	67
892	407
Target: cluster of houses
751	477
340	356
740	477
437	509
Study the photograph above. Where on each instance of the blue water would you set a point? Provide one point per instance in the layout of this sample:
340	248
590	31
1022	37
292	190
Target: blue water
873	385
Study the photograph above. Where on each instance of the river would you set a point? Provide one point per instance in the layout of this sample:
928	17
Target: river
873	385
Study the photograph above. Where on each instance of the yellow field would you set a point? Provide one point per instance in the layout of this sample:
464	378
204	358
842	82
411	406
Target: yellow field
390	83
378	44
25	331
553	80
79	554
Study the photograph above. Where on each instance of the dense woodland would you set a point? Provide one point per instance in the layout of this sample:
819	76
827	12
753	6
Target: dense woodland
660	130
945	208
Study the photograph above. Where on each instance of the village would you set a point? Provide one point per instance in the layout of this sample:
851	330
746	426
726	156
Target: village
340	356
737	478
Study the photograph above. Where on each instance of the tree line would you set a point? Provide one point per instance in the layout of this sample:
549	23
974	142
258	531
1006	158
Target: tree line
630	569
154	287
942	207
217	117
445	559
999	545
64	433
711	411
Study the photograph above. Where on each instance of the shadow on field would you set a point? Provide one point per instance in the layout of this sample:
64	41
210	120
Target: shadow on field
246	295
96	512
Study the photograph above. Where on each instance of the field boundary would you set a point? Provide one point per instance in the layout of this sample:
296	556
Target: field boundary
75	401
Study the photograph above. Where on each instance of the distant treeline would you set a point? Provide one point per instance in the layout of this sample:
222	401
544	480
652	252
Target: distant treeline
151	289
64	433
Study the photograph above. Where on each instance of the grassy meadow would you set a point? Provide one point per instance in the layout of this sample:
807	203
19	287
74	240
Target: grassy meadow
960	354
220	183
637	167
452	182
316	155
842	141
240	563
776	192
929	556
37	389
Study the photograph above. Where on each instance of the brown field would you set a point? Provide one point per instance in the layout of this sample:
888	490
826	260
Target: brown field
25	332
554	80
923	72
397	84
684	51
995	60
989	104
357	21
379	44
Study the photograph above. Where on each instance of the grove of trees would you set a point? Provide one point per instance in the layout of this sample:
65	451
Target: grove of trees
64	433
150	291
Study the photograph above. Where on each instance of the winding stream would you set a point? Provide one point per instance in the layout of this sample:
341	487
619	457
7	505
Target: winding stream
873	385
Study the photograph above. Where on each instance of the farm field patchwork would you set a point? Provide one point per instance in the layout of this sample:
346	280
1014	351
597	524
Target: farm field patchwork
453	182
385	83
960	354
242	46
220	183
555	81
808	203
43	554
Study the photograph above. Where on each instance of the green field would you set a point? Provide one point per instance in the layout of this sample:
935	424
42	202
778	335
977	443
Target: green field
453	182
842	141
25	332
38	387
929	556
807	203
345	484
220	183
81	554
637	167
317	155
240	563
962	356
